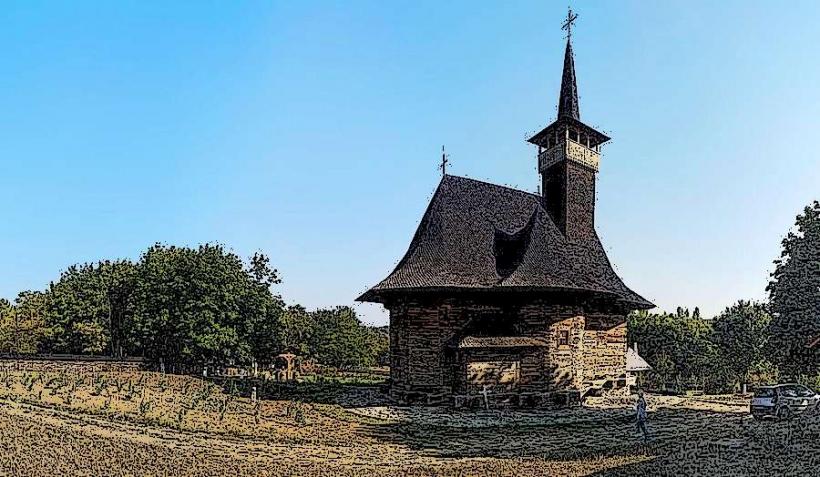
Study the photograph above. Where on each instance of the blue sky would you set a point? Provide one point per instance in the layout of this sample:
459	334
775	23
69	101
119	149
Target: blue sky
311	131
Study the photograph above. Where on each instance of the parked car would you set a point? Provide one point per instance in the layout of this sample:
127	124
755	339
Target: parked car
783	401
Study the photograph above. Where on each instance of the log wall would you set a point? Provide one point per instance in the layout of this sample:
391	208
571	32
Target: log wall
583	346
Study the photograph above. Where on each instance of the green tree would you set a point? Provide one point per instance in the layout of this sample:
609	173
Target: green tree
378	344
92	297
92	337
696	355
677	346
741	335
261	310
7	326
339	339
198	306
117	280
794	297
295	330
29	323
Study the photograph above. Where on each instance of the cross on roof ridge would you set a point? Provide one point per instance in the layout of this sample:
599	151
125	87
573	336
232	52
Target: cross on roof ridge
444	162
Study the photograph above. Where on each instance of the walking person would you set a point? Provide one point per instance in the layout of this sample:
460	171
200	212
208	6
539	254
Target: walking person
640	409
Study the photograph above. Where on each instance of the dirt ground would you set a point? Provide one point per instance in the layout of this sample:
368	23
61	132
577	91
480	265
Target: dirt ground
689	436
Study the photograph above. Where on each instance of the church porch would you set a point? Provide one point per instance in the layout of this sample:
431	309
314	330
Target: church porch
506	371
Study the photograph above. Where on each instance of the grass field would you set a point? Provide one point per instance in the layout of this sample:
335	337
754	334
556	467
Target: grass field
151	424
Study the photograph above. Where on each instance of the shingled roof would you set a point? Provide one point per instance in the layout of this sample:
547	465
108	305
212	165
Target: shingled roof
483	342
477	236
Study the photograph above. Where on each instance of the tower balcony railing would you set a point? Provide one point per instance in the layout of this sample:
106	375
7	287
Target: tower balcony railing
571	150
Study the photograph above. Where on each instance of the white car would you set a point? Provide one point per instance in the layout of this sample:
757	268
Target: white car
783	401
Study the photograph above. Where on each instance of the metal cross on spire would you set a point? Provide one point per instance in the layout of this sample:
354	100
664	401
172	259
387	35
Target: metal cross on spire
567	25
444	162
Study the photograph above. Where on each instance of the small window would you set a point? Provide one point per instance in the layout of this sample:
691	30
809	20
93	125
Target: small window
573	135
563	338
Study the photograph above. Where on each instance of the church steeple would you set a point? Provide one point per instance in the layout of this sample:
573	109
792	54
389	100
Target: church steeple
568	100
569	152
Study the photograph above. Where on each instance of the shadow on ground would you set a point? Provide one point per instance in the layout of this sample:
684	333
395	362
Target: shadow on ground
683	441
767	448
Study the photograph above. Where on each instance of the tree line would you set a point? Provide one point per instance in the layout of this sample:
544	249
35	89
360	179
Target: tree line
749	342
190	307
183	308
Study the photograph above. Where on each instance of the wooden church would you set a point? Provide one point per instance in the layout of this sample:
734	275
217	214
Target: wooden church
506	296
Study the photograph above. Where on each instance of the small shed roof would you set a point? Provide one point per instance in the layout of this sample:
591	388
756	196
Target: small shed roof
634	362
501	342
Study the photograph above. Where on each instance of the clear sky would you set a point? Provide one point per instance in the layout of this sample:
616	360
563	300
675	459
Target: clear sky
311	131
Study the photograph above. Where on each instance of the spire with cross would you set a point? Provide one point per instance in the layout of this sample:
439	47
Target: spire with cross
444	162
567	25
568	98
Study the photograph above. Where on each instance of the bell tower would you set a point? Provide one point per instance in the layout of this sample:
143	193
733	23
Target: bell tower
568	155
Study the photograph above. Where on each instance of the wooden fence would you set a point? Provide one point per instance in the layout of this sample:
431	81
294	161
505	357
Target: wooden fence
67	362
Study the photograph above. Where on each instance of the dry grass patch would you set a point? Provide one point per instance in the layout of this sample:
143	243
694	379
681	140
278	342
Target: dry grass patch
136	423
